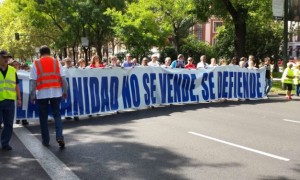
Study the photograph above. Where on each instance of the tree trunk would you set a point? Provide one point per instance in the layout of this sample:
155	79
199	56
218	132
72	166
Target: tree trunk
240	37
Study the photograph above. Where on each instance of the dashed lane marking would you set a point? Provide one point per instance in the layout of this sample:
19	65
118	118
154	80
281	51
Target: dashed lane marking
293	121
241	147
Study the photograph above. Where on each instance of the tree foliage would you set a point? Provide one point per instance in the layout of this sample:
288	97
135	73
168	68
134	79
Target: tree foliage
243	19
148	23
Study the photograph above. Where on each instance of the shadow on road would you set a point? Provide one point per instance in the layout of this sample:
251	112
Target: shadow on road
129	160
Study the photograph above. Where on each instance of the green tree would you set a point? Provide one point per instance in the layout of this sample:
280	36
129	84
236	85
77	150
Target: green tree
236	12
149	23
249	27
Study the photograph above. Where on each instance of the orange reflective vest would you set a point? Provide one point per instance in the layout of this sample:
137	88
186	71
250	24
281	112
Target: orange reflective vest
48	73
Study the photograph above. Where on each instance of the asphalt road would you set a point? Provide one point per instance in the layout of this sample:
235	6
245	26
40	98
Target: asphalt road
220	140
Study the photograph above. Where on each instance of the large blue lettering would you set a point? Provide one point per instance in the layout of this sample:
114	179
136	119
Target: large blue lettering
104	95
134	84
220	77
193	97
95	98
126	93
185	88
205	91
211	85
170	88
153	87
252	85
114	89
77	96
177	92
239	85
86	95
258	86
145	84
245	85
230	85
163	87
225	85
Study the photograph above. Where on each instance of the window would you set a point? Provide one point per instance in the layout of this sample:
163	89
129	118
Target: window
199	31
216	25
214	41
298	52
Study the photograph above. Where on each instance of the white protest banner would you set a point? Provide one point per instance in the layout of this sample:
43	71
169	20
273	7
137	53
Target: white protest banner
96	91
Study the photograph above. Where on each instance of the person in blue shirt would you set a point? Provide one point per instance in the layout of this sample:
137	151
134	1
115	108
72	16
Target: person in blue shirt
179	63
128	62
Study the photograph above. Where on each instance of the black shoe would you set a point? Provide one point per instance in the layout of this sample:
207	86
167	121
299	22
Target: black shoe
46	144
68	118
6	148
17	121
24	122
61	143
76	118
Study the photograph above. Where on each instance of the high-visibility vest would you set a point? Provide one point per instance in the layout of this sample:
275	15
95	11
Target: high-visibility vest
285	79
8	85
297	76
48	73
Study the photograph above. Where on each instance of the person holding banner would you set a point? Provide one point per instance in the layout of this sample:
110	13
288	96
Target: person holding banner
190	64
242	62
128	62
47	78
297	79
268	76
81	64
153	61
287	80
9	93
144	62
16	65
96	62
167	62
179	63
202	63
213	62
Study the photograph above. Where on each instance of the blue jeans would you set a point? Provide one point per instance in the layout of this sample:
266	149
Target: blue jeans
43	114
297	89
268	86
7	113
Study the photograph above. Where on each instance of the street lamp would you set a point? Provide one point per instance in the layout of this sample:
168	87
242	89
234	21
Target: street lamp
85	45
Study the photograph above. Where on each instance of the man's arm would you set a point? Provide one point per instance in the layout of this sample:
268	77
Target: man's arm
32	89
65	87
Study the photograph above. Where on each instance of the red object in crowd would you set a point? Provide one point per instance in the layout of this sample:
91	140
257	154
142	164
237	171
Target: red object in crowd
190	66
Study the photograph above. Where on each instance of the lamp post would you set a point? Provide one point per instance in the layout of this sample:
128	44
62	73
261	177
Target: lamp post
285	33
85	45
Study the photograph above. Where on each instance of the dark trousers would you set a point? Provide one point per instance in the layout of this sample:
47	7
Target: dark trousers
43	114
7	113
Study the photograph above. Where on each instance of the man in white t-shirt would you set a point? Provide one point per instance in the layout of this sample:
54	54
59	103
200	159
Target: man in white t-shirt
202	63
153	61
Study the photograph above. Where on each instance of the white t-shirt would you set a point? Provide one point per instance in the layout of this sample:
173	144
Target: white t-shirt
202	65
47	93
151	63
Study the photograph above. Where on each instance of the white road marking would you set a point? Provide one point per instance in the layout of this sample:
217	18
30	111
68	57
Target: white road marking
241	147
54	167
291	121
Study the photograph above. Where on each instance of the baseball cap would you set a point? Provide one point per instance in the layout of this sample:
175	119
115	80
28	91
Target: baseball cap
4	54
